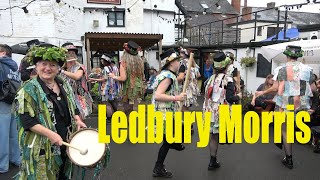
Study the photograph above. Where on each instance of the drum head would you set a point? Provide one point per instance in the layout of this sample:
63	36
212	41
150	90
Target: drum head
86	139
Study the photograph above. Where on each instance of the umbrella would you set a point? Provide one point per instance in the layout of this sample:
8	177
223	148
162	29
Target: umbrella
311	50
21	48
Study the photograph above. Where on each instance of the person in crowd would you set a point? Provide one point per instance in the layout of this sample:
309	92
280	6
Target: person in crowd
233	71
207	73
76	75
131	76
46	114
9	149
28	71
217	84
110	91
152	77
293	83
165	98
265	100
146	68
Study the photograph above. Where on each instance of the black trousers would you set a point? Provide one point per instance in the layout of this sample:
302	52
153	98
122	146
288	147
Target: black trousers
164	149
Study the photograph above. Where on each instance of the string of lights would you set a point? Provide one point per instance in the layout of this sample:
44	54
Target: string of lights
83	10
23	7
298	6
170	20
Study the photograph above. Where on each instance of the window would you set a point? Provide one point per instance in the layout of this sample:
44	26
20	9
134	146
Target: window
116	18
259	33
263	66
272	31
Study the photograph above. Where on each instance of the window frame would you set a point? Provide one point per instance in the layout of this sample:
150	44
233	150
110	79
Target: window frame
259	31
116	19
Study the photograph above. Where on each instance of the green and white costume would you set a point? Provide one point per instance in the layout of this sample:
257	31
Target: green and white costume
173	91
32	99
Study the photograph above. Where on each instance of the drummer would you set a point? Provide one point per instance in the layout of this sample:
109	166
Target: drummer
46	114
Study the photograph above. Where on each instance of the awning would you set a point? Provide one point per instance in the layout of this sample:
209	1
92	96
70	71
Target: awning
115	41
291	33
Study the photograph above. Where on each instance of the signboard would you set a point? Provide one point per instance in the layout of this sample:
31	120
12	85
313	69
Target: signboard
105	1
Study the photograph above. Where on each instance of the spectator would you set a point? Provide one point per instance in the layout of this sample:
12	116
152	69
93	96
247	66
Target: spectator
265	100
9	149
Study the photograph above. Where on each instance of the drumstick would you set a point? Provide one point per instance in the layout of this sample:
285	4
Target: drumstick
186	82
82	152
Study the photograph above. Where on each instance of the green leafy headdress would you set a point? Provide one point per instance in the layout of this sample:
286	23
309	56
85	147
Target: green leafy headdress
293	51
56	54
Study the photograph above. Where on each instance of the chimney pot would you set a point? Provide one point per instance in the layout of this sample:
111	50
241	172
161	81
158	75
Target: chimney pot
271	5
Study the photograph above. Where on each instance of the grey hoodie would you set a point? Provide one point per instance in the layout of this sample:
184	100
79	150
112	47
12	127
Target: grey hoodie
10	69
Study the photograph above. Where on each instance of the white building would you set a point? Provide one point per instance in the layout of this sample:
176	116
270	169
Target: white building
69	20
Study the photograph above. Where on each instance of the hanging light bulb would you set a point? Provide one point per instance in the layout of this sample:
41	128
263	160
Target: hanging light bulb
218	6
197	15
25	10
204	13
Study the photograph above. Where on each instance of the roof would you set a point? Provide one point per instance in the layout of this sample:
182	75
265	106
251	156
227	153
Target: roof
115	41
306	28
195	6
298	18
203	19
181	8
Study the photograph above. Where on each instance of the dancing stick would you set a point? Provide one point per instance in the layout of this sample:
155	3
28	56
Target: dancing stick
186	82
82	152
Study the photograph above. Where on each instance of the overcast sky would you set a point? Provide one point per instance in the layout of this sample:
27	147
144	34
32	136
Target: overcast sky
263	3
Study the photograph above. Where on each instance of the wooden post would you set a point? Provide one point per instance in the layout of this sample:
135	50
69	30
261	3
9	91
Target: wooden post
88	52
160	52
187	78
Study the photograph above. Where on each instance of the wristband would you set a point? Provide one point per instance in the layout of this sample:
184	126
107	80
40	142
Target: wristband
174	98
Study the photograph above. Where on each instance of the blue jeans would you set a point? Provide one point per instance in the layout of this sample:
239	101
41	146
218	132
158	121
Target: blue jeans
9	147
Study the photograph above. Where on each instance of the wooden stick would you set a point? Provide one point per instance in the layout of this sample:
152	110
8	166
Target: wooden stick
80	150
186	82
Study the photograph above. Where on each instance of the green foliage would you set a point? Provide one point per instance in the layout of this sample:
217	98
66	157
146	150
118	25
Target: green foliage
52	53
95	90
246	100
248	61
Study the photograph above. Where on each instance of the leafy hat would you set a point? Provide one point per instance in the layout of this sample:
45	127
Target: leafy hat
220	60
293	51
168	56
48	53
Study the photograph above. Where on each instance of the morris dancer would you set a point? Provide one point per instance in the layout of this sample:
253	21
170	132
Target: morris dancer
192	89
76	75
292	84
109	86
233	71
46	114
218	91
131	76
165	96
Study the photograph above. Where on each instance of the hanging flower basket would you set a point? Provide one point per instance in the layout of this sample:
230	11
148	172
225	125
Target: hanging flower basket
248	61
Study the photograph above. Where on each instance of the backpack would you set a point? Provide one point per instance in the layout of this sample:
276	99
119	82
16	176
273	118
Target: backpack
8	88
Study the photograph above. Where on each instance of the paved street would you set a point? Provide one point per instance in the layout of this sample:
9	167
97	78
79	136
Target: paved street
238	161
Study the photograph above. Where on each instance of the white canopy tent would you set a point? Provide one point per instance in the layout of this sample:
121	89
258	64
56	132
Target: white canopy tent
311	53
311	50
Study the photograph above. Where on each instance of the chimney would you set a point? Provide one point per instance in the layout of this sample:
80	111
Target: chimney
247	10
271	5
236	5
245	3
